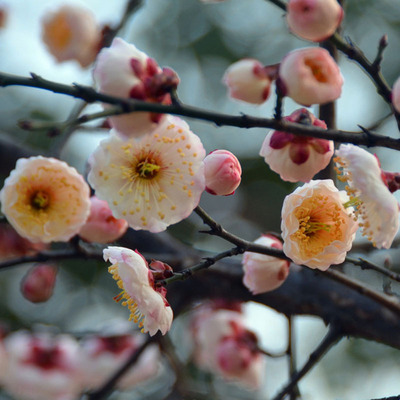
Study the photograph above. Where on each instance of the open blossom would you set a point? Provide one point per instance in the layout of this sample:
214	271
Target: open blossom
145	300
101	226
314	20
248	80
375	206
223	172
396	95
124	71
264	273
38	283
297	158
152	182
316	228
71	33
223	345
45	199
310	76
42	367
103	355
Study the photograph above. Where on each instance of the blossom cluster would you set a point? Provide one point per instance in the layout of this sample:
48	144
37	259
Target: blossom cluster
46	366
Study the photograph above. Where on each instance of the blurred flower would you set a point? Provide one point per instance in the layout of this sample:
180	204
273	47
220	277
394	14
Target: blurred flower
248	80
101	226
152	182
310	76
102	356
264	273
375	206
316	228
13	245
145	300
38	283
224	346
314	20
223	172
45	199
297	158
71	33
124	71
42	367
396	95
3	15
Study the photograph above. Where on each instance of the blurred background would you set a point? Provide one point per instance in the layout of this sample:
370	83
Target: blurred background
199	41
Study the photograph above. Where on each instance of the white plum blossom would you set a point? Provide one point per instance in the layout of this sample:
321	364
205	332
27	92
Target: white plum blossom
375	206
152	182
146	302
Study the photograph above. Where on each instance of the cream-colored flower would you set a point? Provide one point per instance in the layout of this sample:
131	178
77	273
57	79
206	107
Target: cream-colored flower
145	301
316	228
45	199
152	182
376	207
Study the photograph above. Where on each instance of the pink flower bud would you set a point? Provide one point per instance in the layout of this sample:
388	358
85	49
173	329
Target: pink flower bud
223	173
297	158
248	80
71	33
396	95
264	273
310	76
101	226
314	20
38	284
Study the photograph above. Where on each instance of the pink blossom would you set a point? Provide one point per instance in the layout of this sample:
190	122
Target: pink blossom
314	20
124	71
317	229
42	367
248	80
297	158
38	284
264	273
222	172
71	33
396	95
310	76
226	347
152	182
102	356
45	199
375	206
146	301
101	226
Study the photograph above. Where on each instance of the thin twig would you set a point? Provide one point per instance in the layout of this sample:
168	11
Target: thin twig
365	264
332	337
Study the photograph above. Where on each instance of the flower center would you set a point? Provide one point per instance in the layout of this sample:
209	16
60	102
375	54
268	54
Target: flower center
147	169
40	200
316	70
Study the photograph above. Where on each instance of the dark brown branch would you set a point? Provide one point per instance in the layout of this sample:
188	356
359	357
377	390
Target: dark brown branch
89	95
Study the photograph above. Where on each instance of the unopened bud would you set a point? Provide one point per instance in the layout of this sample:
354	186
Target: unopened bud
38	284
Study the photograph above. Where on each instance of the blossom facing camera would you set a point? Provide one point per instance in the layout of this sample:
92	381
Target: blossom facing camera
314	20
297	158
38	284
248	80
152	182
101	226
71	33
124	71
396	95
375	206
310	76
223	172
317	229
146	301
45	200
41	366
264	273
